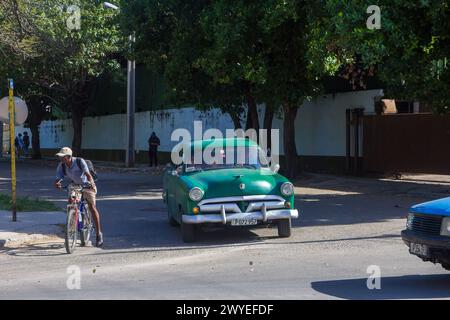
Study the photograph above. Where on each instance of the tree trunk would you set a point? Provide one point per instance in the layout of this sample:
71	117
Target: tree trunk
77	122
268	119
37	106
35	141
290	150
79	105
236	120
252	113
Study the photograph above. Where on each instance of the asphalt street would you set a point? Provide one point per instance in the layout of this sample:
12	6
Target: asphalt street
345	226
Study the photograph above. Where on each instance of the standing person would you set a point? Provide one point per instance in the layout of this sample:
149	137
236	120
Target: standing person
153	143
79	175
18	143
26	143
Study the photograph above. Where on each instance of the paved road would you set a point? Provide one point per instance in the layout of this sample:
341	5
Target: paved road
346	225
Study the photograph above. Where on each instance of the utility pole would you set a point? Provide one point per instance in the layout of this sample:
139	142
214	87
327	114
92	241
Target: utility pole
131	99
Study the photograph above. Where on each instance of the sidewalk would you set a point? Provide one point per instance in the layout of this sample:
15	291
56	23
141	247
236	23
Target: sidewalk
31	227
424	186
100	166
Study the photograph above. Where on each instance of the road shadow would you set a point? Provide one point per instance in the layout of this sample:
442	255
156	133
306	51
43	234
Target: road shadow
135	217
436	286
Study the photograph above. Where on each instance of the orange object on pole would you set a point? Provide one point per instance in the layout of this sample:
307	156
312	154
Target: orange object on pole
13	148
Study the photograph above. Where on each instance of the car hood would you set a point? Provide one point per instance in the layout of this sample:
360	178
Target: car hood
228	182
437	207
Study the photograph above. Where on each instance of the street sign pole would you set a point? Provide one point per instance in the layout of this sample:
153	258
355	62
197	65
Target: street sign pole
12	147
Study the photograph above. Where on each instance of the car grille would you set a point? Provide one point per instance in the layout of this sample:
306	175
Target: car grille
425	224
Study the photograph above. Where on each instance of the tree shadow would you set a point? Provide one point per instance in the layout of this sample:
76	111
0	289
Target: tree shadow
436	286
135	217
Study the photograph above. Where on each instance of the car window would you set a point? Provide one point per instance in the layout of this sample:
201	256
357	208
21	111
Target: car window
230	157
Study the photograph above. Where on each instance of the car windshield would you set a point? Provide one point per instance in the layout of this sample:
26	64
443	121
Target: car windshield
226	158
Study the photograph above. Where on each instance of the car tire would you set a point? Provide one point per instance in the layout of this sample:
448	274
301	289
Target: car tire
172	221
188	232
446	266
284	228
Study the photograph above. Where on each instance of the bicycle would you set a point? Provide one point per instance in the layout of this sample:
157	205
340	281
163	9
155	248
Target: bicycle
79	218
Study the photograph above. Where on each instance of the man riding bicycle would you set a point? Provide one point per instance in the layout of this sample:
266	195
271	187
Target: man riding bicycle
79	176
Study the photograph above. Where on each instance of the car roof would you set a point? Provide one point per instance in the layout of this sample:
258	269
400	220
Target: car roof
226	142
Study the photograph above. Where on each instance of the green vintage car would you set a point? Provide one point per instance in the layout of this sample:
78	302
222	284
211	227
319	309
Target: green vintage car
242	190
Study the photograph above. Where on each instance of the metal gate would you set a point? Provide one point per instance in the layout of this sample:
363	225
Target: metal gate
416	143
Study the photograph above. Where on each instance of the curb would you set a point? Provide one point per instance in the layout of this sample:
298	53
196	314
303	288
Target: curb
29	239
106	167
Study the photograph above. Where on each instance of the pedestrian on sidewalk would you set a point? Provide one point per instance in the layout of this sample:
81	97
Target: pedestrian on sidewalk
153	143
18	143
26	143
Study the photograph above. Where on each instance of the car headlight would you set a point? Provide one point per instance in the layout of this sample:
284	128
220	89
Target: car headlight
287	189
196	194
409	221
445	228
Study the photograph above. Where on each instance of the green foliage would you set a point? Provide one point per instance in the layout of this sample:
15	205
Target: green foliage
46	54
409	52
218	52
27	204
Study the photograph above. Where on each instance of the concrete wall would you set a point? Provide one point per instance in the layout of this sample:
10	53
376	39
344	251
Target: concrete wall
320	126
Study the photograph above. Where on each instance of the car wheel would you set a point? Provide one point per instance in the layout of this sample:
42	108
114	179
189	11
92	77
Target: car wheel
188	232
284	228
446	266
171	220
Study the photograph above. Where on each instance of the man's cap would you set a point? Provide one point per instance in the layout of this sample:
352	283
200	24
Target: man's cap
66	151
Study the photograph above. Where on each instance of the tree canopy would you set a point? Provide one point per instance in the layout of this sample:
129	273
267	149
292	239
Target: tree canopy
409	52
54	49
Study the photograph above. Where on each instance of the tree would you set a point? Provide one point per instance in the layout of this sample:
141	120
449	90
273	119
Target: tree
59	49
180	50
224	53
273	46
409	53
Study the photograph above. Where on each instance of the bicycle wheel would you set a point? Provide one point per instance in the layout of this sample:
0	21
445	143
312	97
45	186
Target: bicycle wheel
85	233
71	231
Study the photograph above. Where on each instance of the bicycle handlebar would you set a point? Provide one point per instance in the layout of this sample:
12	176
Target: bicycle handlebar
84	186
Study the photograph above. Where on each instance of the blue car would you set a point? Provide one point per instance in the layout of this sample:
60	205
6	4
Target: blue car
427	231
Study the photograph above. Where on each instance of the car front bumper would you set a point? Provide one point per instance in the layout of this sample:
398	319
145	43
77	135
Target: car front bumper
260	216
438	246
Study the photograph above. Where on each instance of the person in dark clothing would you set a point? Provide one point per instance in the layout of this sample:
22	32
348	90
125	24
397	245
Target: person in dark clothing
153	143
18	143
26	143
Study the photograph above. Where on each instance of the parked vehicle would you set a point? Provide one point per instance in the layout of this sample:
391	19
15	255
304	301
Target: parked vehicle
241	192
427	231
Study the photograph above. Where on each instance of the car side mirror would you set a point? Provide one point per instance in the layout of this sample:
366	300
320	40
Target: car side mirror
276	168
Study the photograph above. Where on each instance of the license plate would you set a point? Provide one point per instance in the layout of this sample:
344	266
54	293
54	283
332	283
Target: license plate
419	249
244	222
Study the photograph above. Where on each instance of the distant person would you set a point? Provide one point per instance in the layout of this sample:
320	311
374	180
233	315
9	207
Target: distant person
18	143
153	143
26	143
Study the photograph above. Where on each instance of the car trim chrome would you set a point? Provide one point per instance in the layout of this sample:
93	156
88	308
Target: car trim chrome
241	198
222	213
258	215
